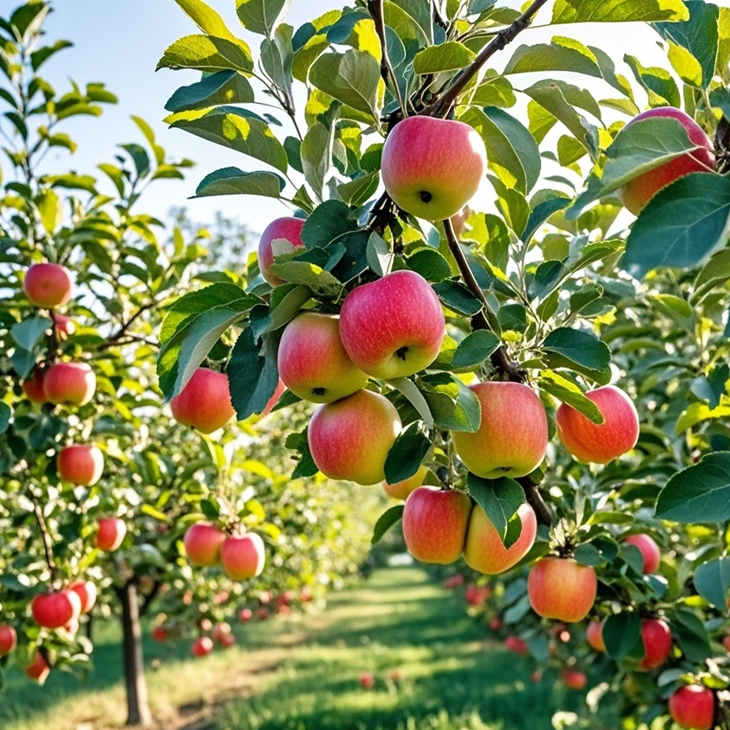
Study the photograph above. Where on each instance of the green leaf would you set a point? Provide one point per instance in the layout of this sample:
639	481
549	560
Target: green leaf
386	521
378	254
207	19
415	397
698	494
49	209
329	221
540	213
286	301
609	11
247	135
711	388
499	498
233	181
712	582
311	275
29	331
621	634
691	636
316	156
222	87
430	264
448	56
408	452
39	57
207	53
474	349
352	77
6	413
458	297
261	16
453	405
569	392
252	373
657	82
714	273
579	347
681	226
358	191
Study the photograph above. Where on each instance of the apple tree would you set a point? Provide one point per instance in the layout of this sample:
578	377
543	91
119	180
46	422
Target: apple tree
509	300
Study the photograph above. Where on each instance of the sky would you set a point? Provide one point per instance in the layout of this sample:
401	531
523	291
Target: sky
120	43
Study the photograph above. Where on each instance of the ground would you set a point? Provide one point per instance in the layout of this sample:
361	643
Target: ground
302	674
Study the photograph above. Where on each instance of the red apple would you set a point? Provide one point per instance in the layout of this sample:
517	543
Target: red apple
649	550
693	707
401	490
313	363
245	615
159	633
262	614
227	641
47	285
484	550
86	591
433	167
367	680
220	630
476	596
574	679
243	556
536	676
602	443
280	388
69	383
8	639
202	646
562	589
38	669
203	543
726	642
110	533
64	325
516	645
392	327
205	401
636	193
281	236
350	438
453	582
34	387
54	610
657	640
594	636
435	522
512	437
80	464
495	623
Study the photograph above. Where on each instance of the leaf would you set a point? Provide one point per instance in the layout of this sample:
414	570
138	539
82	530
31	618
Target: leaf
49	209
621	634
207	19
714	273
378	254
711	388
252	374
29	331
352	78
358	191
386	521
407	453
207	53
222	87
448	56
430	264
474	349
681	226
415	397
712	582
249	136
499	498
609	11
234	181
691	636
657	82
261	16
329	221
286	301
453	405
316	156
698	494
6	413
311	275
540	214
569	392
458	297
579	347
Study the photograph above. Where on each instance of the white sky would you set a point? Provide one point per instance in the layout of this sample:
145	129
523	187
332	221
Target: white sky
120	43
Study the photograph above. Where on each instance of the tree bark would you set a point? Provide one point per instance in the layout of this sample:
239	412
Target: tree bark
138	709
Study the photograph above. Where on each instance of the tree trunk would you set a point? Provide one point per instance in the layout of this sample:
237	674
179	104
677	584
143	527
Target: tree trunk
138	710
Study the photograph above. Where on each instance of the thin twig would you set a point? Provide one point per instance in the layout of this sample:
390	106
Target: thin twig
535	500
375	8
47	542
114	337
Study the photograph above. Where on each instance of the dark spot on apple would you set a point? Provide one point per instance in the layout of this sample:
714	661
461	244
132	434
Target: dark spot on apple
505	469
401	353
425	196
318	391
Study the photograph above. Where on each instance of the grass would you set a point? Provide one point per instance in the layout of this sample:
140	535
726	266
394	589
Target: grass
303	675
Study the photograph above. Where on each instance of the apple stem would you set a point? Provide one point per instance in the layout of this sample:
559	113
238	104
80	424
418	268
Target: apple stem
722	146
47	542
442	106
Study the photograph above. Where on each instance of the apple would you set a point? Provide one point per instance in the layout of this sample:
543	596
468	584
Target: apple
453	582
34	387
636	193
110	533
512	438
287	233
350	438
574	679
47	285
649	550
220	630
476	596
536	676
657	640
726	642
280	388
262	614
8	639
80	464
227	641
203	543
64	325
243	556
367	680
205	624
205	401
594	636
433	167
435	522
495	623
562	589
69	383
202	646
159	633
401	490
245	615
602	443
313	363
484	550
392	327
516	645
693	707
86	591
265	597
55	609
38	669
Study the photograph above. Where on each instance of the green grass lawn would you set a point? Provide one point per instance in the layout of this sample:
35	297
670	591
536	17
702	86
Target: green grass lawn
303	674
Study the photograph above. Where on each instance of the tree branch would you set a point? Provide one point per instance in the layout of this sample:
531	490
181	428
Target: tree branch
150	597
441	107
115	336
47	542
535	500
375	8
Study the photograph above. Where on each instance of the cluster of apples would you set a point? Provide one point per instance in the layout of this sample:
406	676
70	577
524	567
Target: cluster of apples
241	555
221	634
